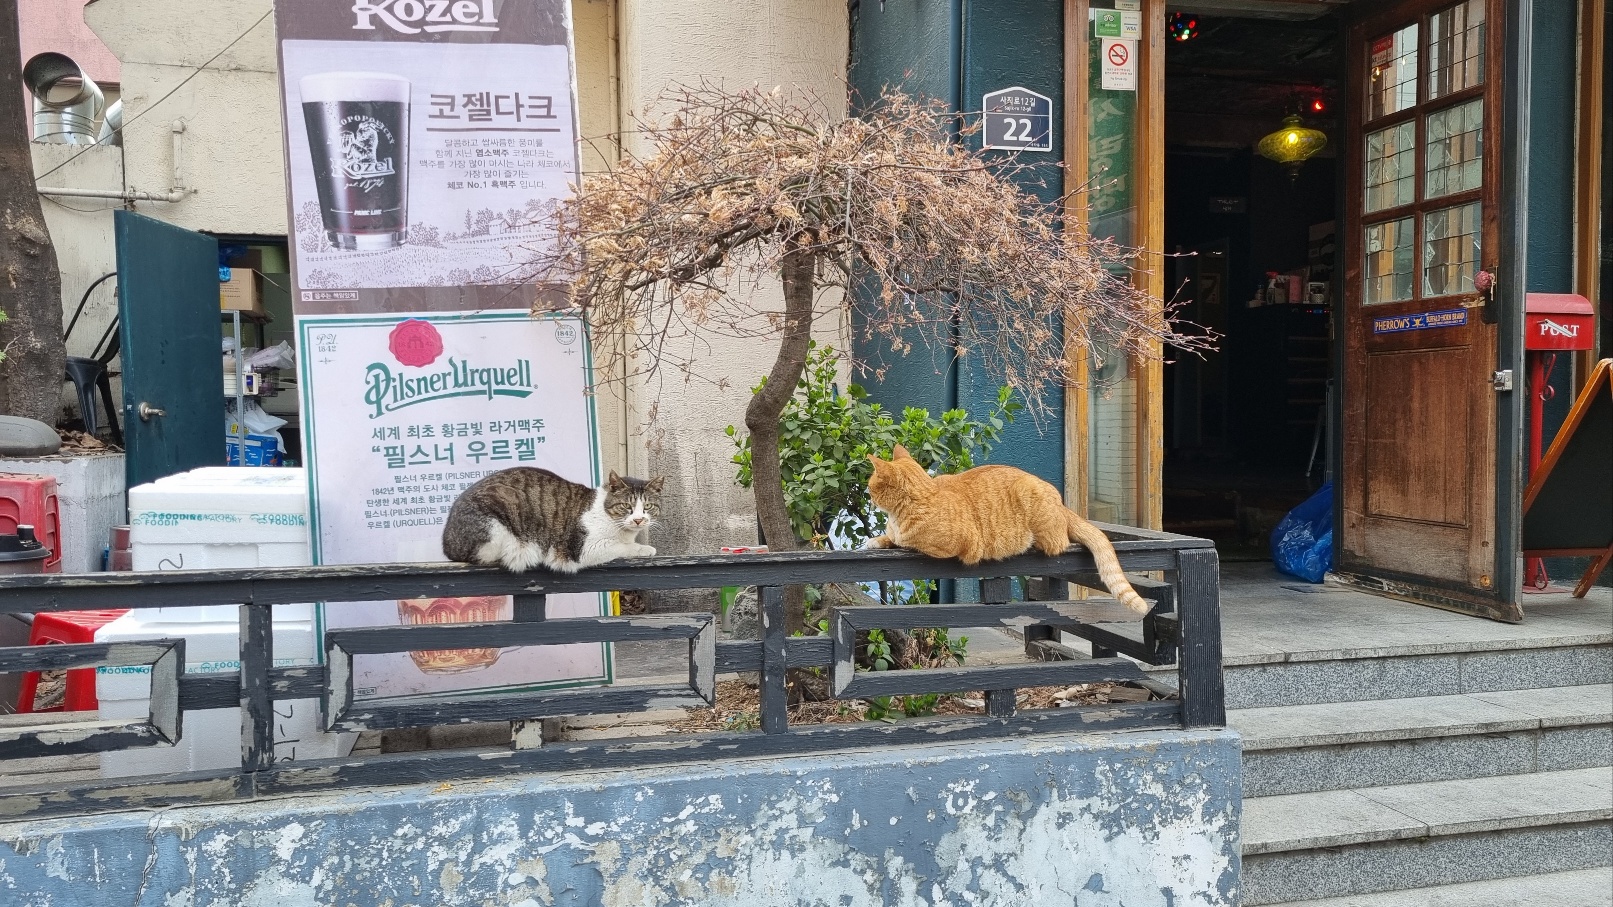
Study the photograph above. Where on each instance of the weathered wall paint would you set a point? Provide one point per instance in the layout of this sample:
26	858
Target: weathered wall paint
1129	819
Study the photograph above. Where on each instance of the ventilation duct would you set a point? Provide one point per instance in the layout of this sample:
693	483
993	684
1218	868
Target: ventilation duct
111	124
67	102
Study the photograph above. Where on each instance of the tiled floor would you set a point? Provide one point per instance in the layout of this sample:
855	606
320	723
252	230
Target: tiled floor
1268	617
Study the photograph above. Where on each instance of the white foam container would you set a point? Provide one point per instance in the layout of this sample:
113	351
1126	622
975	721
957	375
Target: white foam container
216	518
209	739
219	518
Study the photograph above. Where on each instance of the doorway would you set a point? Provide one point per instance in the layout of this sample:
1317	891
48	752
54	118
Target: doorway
1246	429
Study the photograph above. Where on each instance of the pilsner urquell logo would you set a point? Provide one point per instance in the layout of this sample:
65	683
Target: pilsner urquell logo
416	344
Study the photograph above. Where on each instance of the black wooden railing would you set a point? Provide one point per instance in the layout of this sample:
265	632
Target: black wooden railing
1182	628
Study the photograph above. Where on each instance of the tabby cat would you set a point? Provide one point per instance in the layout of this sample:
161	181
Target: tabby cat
985	514
524	517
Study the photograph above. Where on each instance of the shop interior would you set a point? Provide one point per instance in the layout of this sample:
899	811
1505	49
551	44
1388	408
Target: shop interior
1246	435
256	286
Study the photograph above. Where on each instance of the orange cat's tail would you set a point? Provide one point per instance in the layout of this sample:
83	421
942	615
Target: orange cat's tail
1108	564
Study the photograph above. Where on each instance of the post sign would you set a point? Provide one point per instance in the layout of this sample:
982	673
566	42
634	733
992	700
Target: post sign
1017	119
427	146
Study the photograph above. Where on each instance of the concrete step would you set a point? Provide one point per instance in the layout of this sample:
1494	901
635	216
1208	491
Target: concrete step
1334	746
1336	843
1581	888
1350	674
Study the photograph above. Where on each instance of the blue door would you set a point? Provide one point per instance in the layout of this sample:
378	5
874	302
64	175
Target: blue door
173	378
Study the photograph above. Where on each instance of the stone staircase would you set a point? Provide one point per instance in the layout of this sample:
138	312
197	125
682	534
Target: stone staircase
1413	757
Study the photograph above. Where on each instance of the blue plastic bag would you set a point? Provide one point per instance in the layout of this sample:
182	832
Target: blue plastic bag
1302	544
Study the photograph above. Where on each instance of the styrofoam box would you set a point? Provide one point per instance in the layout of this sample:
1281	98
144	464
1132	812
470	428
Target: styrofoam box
209	739
219	518
221	504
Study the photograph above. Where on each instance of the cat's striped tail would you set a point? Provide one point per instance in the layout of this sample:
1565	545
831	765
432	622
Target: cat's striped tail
1114	579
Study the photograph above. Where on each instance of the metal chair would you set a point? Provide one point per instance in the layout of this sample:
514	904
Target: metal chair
91	372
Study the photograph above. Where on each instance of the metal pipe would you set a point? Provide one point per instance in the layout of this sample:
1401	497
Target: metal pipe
175	194
128	195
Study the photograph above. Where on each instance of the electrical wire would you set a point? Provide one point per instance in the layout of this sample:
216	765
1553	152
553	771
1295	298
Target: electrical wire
194	73
60	204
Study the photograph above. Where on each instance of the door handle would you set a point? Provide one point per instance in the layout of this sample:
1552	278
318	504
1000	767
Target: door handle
147	411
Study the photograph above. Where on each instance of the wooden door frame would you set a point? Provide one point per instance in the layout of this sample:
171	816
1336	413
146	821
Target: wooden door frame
1503	196
1589	176
1148	169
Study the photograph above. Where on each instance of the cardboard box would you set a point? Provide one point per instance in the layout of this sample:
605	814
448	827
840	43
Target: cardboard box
261	450
242	292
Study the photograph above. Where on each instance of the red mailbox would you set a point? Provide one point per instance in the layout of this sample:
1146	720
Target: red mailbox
1553	322
1557	321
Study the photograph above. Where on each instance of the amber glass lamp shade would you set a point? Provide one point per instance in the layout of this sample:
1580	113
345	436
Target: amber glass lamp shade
1292	145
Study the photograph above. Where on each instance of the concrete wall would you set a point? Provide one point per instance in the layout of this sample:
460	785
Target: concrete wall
89	498
1100	821
230	110
81	231
58	25
801	46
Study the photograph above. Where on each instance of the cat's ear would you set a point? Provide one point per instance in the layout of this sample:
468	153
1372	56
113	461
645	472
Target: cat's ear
654	485
900	453
614	481
874	459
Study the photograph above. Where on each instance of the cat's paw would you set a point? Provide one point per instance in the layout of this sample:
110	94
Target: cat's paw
645	551
879	541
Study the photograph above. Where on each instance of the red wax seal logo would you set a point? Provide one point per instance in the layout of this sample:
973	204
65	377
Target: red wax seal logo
415	343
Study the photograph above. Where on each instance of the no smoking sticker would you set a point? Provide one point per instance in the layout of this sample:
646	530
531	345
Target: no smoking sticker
1118	59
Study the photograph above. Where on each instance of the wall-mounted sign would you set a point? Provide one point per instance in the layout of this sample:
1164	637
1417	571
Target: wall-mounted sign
1420	321
412	411
427	143
1117	23
1117	60
1017	119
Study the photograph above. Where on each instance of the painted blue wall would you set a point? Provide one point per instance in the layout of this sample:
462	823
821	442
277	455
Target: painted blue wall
1010	43
957	51
1102	820
1552	146
913	46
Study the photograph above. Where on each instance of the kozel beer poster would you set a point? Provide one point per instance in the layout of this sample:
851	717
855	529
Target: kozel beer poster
427	142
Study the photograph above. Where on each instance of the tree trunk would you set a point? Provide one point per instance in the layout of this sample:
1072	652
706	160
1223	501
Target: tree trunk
30	285
762	419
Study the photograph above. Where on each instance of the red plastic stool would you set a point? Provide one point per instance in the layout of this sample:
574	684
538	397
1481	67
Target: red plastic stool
66	627
30	500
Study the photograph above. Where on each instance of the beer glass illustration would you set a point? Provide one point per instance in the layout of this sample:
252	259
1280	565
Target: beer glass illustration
358	136
418	611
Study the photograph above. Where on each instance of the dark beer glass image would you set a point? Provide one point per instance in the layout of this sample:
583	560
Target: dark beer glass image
358	135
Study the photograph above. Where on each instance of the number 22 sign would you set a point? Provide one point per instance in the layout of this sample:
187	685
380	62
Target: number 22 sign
1017	119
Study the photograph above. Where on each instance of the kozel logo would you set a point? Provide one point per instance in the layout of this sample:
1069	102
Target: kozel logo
386	392
1547	326
436	15
361	147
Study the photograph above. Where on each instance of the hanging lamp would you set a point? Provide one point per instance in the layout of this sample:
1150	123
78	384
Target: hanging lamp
1292	145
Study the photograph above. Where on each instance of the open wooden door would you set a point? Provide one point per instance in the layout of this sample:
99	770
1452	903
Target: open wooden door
1418	495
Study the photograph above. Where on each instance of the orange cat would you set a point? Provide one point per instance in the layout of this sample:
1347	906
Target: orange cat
985	514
